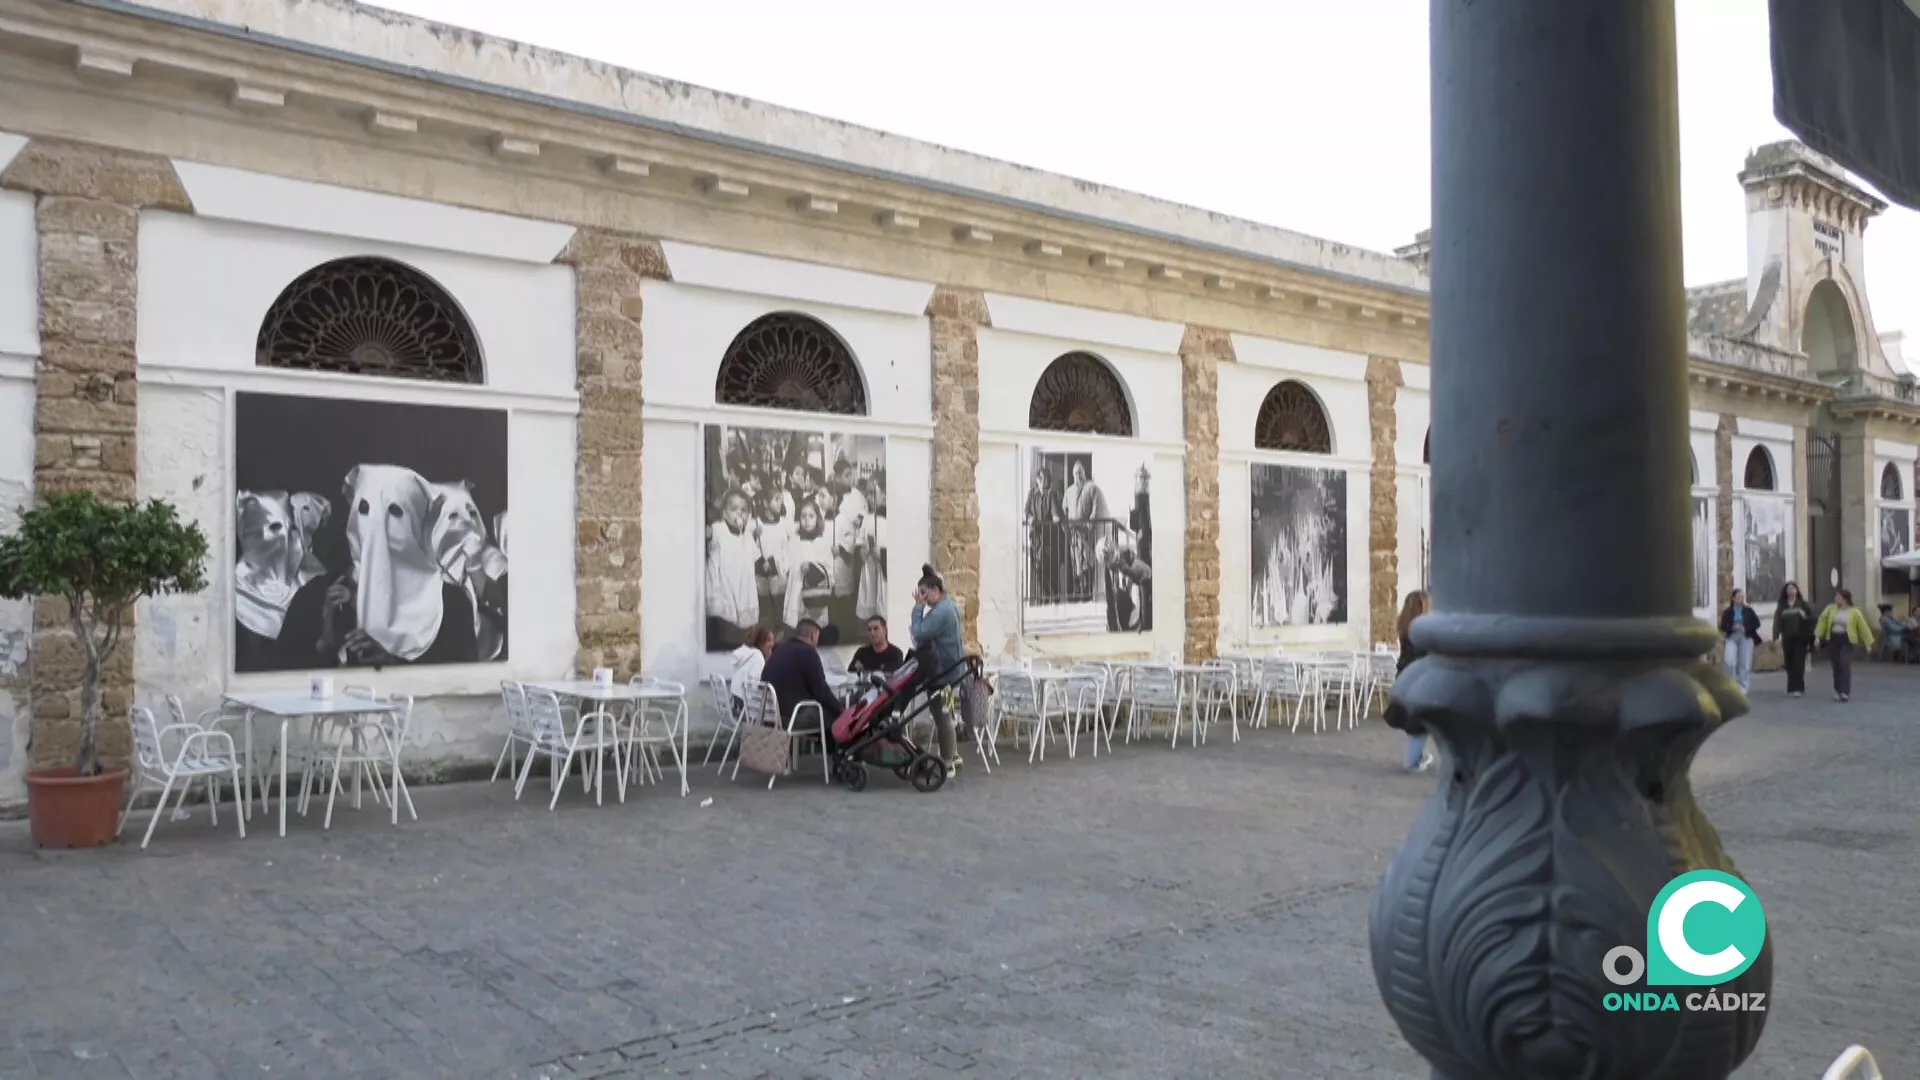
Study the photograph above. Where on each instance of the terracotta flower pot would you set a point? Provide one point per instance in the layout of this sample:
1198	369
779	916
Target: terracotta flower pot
68	811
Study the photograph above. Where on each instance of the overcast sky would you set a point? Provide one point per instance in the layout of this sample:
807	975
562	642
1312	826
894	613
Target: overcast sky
1307	115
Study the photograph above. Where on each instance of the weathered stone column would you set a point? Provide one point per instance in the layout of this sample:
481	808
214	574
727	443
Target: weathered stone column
1563	678
957	316
1723	466
1383	530
86	393
1202	351
608	271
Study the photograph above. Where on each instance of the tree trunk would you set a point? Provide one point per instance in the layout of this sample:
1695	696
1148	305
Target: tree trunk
89	759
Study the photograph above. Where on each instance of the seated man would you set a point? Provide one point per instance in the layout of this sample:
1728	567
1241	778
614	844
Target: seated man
878	654
796	675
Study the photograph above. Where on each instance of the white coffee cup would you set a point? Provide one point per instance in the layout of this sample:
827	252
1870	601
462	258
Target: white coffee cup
603	676
322	687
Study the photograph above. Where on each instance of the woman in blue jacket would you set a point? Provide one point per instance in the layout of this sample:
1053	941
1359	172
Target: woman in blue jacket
939	646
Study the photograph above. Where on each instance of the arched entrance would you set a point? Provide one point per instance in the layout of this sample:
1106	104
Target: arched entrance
1827	333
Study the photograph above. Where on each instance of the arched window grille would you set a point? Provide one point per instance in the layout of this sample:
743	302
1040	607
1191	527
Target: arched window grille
370	316
1426	448
793	362
1291	419
1079	392
1759	476
1891	489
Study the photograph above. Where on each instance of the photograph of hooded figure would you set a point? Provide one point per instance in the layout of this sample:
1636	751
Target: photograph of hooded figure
369	534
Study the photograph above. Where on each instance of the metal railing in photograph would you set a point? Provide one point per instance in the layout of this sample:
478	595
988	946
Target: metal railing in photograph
1063	560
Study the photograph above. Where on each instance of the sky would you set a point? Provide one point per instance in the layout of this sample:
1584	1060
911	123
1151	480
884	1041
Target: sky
1297	113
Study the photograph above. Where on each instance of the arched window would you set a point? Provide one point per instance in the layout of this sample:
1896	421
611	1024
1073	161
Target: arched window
1891	489
1080	392
1426	448
1759	470
1693	466
1291	419
791	361
370	316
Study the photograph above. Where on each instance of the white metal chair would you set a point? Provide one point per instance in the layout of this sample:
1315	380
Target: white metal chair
1335	681
179	753
1153	689
1381	669
1855	1063
720	697
1085	699
1021	700
656	722
763	707
513	698
369	744
1218	692
588	737
1284	682
226	717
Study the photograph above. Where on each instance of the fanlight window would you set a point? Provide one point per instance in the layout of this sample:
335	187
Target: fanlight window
1759	470
1426	448
370	316
1891	489
1079	392
1291	419
1693	467
794	362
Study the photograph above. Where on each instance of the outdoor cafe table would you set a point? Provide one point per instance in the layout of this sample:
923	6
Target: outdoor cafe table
629	695
288	707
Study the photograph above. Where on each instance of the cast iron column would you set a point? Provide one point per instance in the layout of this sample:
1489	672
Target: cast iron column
1564	682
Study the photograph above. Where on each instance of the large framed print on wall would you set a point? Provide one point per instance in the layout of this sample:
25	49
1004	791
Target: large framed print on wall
368	534
795	527
1299	545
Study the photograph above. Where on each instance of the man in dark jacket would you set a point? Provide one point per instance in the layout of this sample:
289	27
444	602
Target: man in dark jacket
797	675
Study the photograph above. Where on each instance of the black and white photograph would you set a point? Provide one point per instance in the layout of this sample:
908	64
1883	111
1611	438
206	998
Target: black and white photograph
1896	538
796	528
1766	544
367	534
1703	553
1299	546
1086	521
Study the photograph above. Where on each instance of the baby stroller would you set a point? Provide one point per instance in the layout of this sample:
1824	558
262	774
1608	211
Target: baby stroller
874	730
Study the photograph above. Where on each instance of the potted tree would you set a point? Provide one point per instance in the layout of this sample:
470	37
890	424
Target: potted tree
101	557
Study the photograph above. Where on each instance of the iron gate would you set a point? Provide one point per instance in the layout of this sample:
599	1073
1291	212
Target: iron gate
1824	501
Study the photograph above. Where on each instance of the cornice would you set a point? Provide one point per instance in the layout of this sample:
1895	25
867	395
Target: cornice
106	53
1865	407
1760	385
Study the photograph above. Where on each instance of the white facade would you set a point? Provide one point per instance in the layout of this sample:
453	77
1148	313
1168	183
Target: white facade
1339	381
206	283
19	348
689	324
1413	480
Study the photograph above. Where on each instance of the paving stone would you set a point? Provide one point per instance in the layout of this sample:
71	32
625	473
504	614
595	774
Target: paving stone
1150	914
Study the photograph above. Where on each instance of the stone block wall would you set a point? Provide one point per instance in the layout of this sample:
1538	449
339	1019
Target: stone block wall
1383	515
957	316
1202	351
88	201
609	268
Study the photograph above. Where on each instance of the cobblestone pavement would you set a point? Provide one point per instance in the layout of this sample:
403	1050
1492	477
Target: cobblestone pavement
1153	914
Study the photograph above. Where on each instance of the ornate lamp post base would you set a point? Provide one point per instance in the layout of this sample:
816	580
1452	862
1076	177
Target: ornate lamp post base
1563	677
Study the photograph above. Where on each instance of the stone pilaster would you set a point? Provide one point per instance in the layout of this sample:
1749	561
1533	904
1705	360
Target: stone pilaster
1723	465
1202	351
87	202
1383	531
957	316
609	268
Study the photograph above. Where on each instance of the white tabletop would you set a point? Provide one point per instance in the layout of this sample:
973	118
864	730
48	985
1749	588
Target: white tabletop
588	690
286	704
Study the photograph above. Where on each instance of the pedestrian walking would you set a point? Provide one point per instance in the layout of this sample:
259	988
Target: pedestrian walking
1793	623
1740	627
1842	630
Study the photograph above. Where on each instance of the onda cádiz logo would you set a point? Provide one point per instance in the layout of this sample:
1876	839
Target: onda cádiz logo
1705	929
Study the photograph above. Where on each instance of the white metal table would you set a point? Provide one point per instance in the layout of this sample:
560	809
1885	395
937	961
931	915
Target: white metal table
629	695
288	707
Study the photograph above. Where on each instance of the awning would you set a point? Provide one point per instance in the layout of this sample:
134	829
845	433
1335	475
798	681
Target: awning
1902	562
1846	81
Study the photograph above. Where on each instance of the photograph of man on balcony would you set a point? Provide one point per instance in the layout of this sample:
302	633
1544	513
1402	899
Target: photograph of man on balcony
1087	568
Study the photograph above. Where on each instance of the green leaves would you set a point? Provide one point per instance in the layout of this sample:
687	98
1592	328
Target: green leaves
105	554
